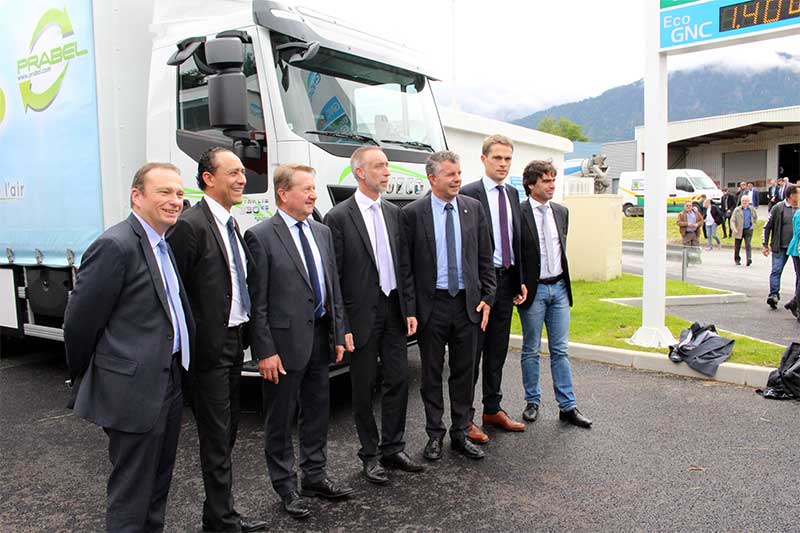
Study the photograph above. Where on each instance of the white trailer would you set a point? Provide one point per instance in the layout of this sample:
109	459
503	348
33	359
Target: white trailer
99	87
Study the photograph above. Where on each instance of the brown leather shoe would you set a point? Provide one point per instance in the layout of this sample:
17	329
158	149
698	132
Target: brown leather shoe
476	435
501	420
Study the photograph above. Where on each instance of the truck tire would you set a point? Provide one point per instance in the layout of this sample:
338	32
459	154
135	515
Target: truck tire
627	210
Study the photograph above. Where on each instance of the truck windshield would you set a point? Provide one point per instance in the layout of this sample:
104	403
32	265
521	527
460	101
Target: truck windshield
340	98
702	182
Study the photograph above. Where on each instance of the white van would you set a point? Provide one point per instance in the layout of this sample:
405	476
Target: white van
682	184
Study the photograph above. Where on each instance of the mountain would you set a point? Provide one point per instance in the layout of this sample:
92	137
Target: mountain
702	92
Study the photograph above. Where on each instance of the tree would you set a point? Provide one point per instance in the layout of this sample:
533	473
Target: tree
562	127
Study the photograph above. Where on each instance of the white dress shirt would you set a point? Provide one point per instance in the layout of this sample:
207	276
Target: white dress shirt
544	268
238	315
365	204
492	194
295	233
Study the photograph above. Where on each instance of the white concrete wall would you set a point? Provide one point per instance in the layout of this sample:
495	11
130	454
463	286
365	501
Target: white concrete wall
465	134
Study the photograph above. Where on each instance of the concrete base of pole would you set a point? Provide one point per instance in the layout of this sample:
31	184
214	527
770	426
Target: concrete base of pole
658	337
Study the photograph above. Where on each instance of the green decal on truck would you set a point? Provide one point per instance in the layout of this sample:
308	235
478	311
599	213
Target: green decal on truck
41	62
394	168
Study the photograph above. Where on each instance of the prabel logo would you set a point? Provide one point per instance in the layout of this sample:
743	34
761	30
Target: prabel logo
42	62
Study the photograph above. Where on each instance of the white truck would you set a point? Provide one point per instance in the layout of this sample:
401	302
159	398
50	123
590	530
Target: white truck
683	184
96	88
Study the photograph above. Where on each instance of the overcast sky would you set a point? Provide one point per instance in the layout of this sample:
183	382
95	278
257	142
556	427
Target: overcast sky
515	57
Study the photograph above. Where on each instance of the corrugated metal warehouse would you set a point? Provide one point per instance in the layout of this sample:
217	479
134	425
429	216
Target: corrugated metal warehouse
754	146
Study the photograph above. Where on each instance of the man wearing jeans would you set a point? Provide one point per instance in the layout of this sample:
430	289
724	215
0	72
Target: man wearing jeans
546	271
778	229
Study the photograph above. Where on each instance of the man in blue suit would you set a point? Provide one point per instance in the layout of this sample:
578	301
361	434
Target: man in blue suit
128	329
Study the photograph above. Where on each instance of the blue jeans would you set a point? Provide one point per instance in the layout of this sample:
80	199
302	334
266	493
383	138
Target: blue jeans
550	308
778	262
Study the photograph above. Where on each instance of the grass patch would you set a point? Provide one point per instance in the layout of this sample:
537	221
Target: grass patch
610	324
633	230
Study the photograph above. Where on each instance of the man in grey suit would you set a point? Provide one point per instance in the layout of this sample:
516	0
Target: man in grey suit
296	330
128	329
451	258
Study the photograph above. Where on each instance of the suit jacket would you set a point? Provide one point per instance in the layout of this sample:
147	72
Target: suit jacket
358	270
203	266
478	191
118	332
737	221
531	253
728	204
683	221
281	296
476	255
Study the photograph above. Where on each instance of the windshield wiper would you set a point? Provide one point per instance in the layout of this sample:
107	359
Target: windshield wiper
346	135
410	144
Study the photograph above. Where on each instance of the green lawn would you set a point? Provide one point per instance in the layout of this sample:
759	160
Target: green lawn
609	324
633	229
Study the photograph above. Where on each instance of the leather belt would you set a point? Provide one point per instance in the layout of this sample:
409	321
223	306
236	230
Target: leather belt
551	281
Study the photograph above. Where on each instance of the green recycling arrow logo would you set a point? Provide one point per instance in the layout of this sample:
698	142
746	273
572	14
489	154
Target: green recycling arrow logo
43	100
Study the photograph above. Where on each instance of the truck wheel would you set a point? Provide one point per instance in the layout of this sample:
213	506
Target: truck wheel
627	210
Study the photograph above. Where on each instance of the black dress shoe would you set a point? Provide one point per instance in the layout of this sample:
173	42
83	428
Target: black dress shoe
433	450
325	488
531	413
251	524
374	472
575	418
401	461
792	306
295	505
467	449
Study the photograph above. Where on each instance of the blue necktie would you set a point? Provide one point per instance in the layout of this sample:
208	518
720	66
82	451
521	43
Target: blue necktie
452	261
174	297
313	277
233	237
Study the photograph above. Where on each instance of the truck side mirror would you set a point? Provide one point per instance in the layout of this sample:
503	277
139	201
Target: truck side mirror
227	88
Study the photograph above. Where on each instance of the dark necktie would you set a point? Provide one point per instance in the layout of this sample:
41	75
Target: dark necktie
233	238
505	246
313	277
452	262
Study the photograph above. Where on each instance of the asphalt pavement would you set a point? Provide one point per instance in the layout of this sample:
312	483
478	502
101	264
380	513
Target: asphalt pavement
718	270
665	454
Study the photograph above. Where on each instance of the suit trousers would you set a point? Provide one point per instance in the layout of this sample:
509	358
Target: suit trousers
490	357
387	341
449	325
747	236
308	390
215	395
141	466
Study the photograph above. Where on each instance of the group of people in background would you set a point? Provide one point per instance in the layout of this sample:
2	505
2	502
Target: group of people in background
166	302
780	235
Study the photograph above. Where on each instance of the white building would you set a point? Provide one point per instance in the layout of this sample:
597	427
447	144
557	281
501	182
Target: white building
465	134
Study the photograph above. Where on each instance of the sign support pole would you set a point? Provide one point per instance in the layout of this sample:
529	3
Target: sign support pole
653	333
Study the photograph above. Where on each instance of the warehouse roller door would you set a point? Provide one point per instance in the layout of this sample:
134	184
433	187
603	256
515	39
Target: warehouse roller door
744	166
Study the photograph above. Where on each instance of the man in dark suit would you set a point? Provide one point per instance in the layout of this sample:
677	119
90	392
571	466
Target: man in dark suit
296	330
380	310
501	206
128	329
454	293
772	193
212	261
741	192
545	268
727	205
